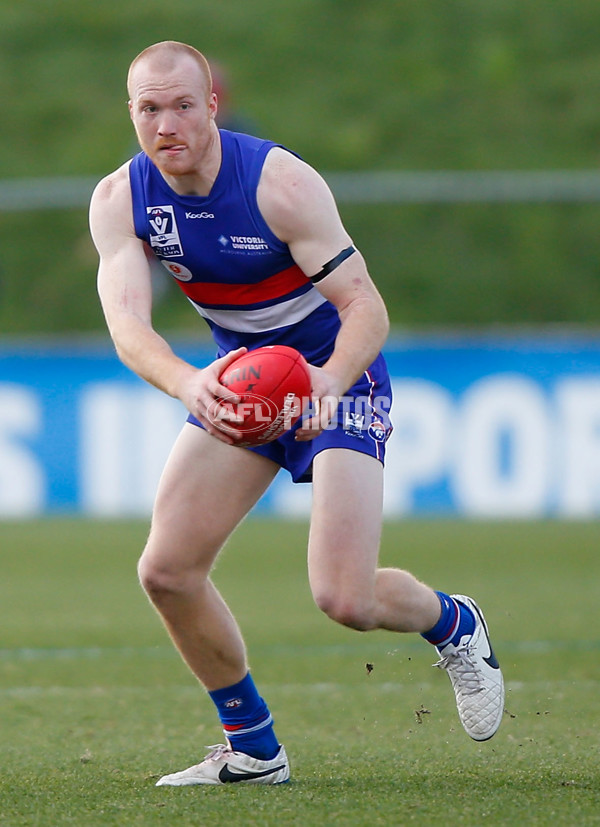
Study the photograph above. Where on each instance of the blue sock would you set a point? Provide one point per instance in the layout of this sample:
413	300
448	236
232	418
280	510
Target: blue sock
247	722
455	621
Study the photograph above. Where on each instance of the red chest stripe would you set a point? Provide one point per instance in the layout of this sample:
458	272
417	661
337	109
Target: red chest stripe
208	293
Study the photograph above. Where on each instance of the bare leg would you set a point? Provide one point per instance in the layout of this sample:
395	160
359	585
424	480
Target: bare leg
205	491
344	547
351	589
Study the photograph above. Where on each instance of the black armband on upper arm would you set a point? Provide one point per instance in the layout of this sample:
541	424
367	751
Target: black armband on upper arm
331	265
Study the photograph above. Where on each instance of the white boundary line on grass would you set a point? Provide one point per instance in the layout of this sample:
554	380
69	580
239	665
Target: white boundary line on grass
528	647
391	687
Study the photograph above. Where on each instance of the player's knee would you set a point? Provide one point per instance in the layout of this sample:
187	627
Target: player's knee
153	580
160	580
347	611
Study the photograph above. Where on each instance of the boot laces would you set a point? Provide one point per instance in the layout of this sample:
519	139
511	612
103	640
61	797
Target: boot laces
461	665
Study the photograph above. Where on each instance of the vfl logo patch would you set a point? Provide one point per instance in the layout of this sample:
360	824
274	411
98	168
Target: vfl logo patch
164	235
354	423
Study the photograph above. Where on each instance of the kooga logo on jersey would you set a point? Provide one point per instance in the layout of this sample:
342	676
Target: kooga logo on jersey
199	215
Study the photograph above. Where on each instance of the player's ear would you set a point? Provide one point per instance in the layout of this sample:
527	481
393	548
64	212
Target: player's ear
213	105
130	107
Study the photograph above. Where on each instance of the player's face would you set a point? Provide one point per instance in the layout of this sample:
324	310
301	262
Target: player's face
173	114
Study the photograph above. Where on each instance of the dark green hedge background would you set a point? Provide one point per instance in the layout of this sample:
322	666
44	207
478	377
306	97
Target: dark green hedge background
350	85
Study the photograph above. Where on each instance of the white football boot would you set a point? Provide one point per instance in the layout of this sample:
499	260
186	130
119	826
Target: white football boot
476	677
225	766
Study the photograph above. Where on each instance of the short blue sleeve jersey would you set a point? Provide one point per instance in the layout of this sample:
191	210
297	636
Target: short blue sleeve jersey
237	274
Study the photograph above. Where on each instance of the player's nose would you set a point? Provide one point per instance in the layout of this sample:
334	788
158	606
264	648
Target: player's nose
167	124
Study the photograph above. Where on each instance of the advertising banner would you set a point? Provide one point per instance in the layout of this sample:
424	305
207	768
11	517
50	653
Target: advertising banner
485	426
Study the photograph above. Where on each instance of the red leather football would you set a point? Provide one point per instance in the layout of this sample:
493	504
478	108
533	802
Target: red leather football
274	386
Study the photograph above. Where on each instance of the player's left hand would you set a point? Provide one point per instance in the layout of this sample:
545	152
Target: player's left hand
326	395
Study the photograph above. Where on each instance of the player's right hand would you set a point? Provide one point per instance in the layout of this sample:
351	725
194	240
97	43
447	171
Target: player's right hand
203	395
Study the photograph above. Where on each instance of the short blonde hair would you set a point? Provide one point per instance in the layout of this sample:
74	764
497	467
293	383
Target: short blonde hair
167	51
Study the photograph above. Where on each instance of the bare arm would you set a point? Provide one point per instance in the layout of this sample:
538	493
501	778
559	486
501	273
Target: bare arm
125	289
300	209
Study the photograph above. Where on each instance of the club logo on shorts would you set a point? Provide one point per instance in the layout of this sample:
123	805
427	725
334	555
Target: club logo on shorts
164	235
377	431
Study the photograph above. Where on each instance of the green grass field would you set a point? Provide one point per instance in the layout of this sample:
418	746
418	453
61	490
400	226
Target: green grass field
95	704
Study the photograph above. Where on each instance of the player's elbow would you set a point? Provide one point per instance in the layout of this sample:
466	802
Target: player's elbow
368	312
378	322
126	331
121	348
383	324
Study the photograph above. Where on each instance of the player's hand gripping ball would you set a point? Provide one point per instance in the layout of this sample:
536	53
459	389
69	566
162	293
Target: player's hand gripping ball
274	386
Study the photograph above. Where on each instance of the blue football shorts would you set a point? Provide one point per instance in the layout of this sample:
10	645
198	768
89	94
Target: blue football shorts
362	424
